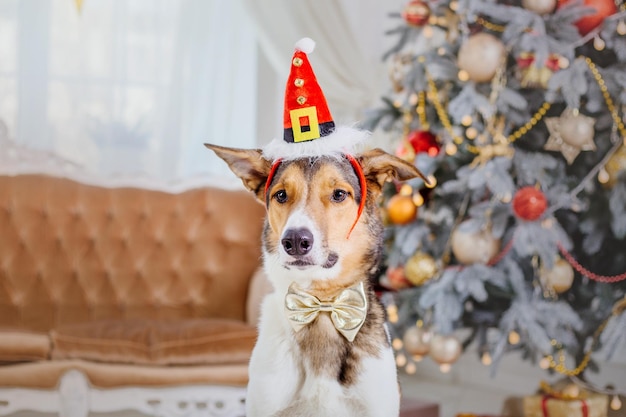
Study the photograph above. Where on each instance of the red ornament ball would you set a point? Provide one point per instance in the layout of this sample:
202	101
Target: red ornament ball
424	141
416	13
587	23
529	203
395	279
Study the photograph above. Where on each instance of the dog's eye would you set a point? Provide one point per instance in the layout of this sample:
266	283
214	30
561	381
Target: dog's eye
339	195
281	196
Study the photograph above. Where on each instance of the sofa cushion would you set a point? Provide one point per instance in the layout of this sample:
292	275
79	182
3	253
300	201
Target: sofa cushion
156	342
46	374
23	346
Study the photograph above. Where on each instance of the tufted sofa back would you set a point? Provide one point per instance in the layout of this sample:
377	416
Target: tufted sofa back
71	252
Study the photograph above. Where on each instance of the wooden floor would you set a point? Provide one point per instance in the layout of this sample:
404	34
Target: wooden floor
469	387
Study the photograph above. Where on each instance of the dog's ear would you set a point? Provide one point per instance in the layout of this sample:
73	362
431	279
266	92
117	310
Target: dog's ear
380	167
247	164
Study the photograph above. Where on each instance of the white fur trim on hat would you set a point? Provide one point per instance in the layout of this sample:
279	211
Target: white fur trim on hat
344	139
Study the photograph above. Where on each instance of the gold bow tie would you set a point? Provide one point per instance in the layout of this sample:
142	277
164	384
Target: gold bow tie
347	310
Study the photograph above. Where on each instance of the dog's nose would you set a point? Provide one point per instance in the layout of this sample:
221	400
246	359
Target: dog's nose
297	241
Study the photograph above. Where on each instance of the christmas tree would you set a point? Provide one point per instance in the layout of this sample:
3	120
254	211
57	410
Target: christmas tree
514	111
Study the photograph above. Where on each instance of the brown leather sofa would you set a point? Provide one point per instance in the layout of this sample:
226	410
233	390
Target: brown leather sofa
123	287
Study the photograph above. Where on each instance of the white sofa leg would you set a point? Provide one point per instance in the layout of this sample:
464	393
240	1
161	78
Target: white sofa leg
74	395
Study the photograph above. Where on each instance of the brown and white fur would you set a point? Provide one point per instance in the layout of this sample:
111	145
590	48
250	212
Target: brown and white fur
317	372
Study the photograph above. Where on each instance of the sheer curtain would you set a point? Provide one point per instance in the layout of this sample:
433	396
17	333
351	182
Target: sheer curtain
129	87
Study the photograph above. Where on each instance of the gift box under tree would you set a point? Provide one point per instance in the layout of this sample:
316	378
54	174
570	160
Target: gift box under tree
567	402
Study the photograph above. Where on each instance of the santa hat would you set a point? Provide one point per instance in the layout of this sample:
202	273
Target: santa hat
309	128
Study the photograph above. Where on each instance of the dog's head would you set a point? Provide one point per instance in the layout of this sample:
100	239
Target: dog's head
312	234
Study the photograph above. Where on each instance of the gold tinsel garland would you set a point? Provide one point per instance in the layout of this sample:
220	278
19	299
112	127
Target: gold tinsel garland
560	366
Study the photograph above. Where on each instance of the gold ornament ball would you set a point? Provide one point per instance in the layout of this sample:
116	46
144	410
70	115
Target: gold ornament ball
576	129
420	268
559	278
473	247
539	6
417	341
401	209
445	349
615	165
480	56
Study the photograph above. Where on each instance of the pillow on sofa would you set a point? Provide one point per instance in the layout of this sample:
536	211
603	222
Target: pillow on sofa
156	342
23	346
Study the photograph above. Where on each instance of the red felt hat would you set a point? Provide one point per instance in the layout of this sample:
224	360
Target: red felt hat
309	129
306	115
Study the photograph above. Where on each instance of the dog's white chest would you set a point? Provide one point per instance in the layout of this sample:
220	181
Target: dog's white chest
285	381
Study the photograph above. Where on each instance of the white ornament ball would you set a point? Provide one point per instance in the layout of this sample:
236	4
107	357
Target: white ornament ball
470	247
480	56
417	341
576	130
445	349
560	278
539	6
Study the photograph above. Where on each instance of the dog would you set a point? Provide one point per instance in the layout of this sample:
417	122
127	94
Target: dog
322	241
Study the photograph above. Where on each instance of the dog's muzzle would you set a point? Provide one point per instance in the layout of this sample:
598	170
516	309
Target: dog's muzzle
347	310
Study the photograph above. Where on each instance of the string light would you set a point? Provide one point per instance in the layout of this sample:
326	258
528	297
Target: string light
397	344
486	358
598	43
451	149
392	313
410	368
603	176
445	368
471	133
406	189
514	337
432	181
401	360
616	403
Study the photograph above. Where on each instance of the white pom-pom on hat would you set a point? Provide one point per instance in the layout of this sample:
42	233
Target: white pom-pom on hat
306	45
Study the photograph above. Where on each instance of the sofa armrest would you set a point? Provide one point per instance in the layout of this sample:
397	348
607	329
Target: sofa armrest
259	287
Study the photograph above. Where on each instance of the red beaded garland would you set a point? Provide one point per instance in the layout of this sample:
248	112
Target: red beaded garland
529	203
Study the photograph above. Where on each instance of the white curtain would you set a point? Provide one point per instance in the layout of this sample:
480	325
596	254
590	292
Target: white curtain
129	87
